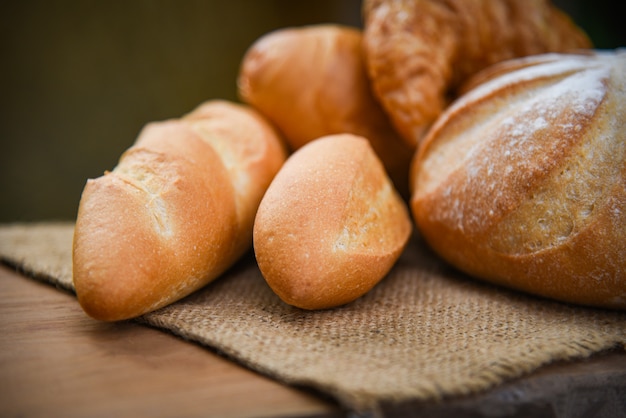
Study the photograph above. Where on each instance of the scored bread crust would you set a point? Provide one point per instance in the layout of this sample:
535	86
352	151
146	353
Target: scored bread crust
418	52
522	181
311	81
250	149
331	225
168	218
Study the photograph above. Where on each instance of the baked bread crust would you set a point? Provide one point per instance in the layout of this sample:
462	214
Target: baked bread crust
170	217
311	81
522	181
331	225
418	52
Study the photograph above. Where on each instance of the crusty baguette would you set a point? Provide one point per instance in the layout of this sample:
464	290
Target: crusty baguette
522	181
331	225
175	212
311	81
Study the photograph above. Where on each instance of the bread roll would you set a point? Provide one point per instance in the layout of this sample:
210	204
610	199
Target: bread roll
331	224
175	212
522	182
311	81
418	52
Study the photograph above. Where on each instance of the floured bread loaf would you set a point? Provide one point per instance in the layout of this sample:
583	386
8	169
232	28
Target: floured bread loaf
175	212
331	224
522	182
418	52
311	81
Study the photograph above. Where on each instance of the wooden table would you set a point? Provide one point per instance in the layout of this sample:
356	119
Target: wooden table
55	361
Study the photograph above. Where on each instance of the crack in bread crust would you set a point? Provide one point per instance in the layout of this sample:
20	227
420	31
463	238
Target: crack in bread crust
145	172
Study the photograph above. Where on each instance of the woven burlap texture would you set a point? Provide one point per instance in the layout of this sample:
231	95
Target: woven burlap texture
424	333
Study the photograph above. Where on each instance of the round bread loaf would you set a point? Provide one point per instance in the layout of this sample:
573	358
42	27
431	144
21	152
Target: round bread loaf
522	181
331	225
175	212
311	81
418	52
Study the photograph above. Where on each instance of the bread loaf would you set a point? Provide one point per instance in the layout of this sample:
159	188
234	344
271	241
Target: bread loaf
522	182
311	81
175	212
331	224
418	52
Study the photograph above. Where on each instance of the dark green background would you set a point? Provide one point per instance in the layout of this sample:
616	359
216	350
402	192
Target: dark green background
80	78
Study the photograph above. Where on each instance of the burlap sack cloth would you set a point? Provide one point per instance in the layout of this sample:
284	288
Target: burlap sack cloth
425	332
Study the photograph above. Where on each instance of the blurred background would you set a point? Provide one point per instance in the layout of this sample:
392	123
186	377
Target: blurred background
79	78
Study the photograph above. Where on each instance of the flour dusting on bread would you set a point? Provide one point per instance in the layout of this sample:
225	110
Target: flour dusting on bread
522	180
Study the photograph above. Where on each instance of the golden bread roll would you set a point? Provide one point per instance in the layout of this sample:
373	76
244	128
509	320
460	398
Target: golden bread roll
175	212
331	225
522	181
418	52
311	81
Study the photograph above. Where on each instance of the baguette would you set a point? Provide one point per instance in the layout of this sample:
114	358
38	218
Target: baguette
176	211
311	81
522	182
331	225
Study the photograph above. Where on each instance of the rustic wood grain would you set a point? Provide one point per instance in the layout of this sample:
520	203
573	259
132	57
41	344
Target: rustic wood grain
55	361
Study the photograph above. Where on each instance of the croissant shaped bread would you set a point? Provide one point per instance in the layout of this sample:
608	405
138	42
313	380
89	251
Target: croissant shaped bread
418	52
522	181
